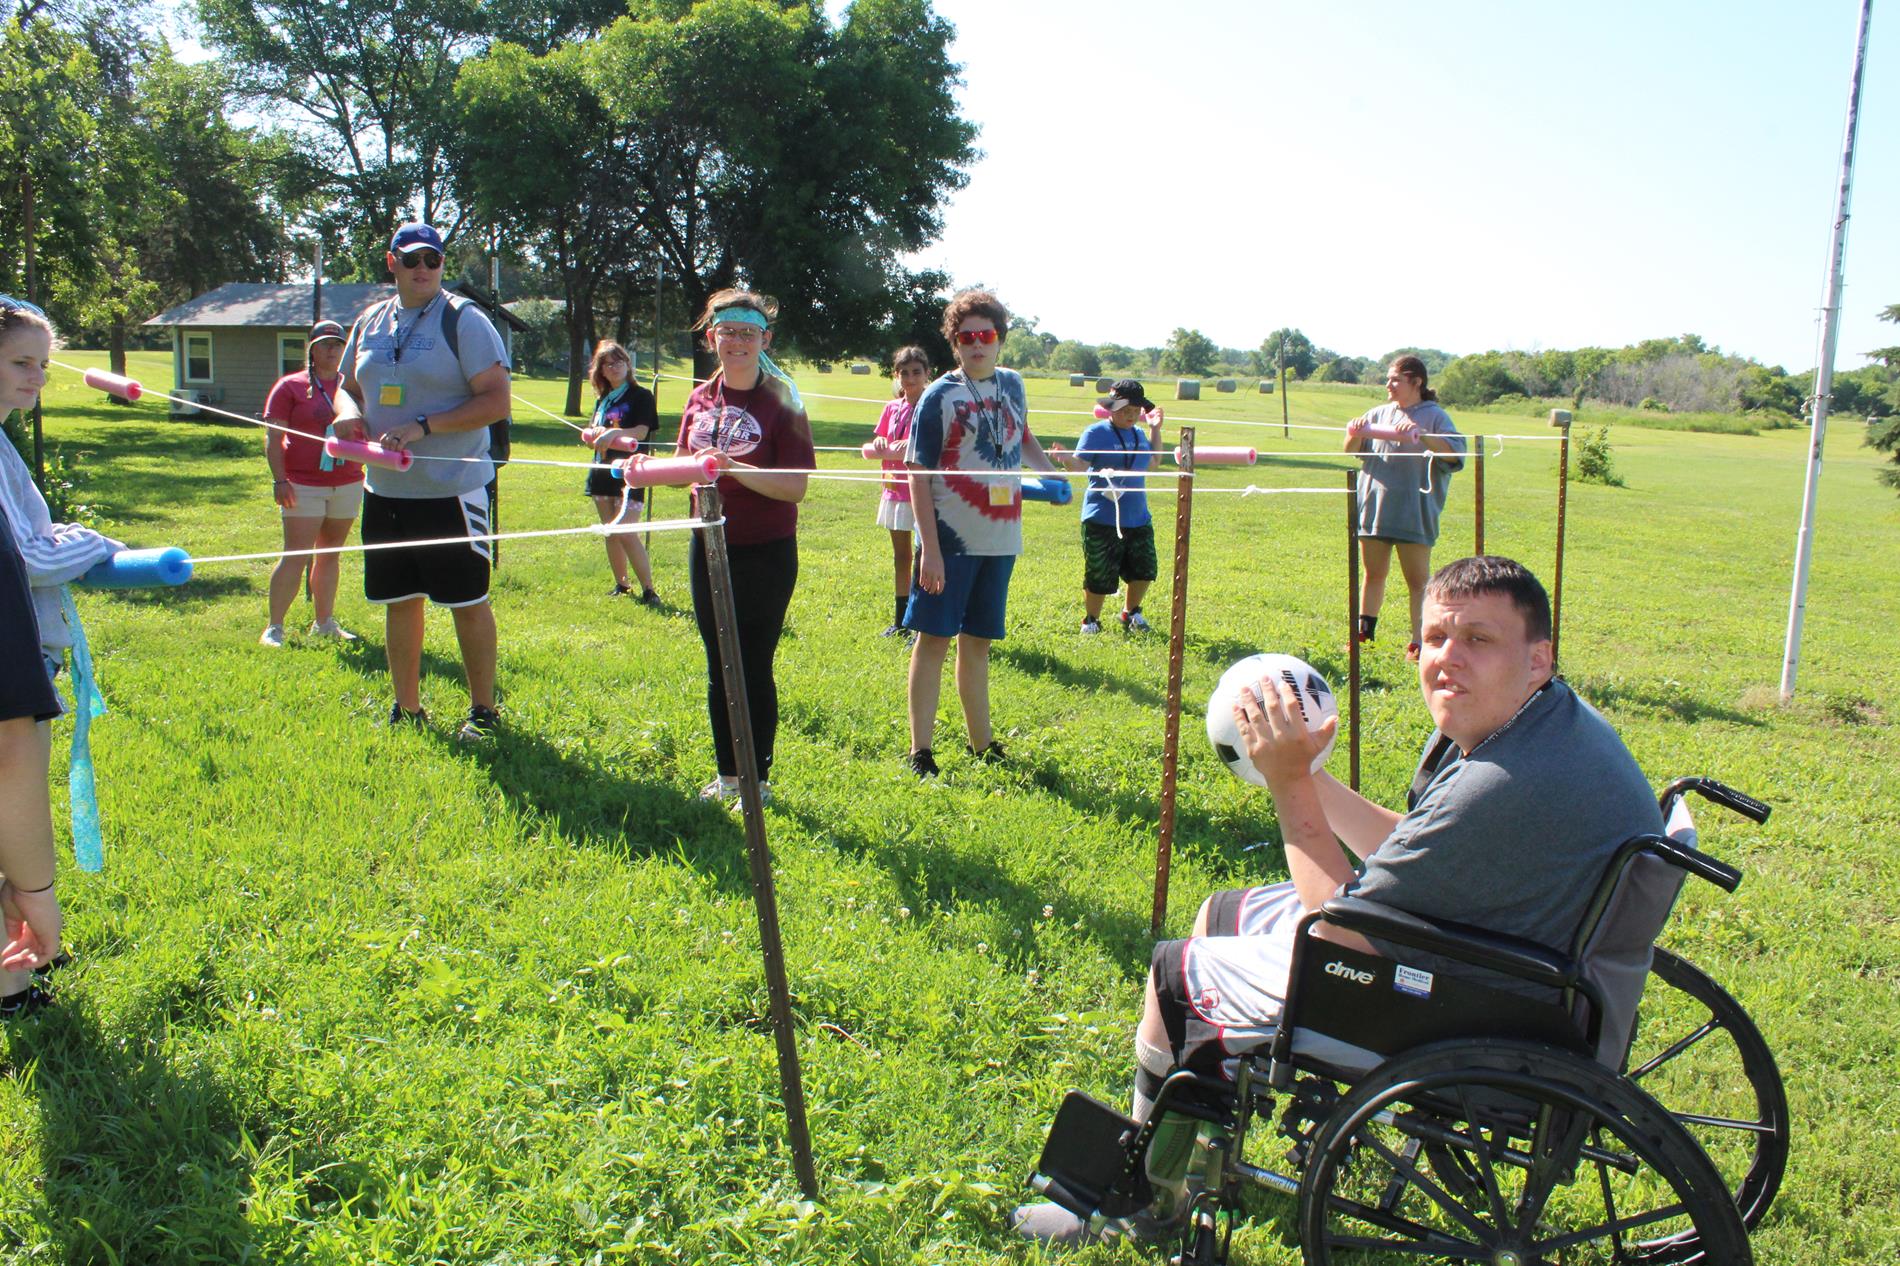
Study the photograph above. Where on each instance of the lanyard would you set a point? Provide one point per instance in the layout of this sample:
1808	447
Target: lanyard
395	319
316	385
607	402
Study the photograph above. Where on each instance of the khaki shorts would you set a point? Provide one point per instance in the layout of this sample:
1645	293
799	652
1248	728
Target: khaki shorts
344	501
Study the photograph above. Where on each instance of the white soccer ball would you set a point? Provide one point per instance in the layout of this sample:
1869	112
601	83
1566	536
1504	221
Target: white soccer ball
1316	704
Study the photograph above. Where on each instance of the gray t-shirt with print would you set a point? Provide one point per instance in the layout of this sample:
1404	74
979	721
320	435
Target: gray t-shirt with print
424	378
1401	497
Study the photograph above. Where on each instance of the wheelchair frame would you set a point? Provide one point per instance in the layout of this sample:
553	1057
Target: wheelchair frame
1444	1105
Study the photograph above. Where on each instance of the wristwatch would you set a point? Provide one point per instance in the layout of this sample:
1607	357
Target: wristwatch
422	420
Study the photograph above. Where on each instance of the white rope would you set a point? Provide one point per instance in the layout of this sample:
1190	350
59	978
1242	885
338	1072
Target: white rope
567	422
591	529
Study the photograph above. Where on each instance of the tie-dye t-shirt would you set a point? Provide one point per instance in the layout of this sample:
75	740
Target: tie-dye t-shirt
970	429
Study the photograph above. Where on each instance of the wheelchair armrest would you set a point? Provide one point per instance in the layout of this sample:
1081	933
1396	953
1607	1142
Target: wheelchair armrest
1696	862
1510	955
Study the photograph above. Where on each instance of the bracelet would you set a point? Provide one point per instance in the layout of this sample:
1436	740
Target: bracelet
30	892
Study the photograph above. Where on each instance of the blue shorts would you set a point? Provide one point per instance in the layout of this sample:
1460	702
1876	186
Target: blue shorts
975	593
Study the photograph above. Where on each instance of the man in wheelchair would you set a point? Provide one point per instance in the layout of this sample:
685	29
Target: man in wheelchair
1521	803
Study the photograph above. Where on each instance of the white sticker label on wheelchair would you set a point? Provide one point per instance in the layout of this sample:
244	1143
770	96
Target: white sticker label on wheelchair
1411	980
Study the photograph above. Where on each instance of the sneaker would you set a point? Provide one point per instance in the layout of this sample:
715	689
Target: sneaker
1135	622
273	635
648	598
481	725
17	1006
721	788
398	715
893	631
620	591
1091	625
1054	1225
990	755
330	628
1411	652
922	762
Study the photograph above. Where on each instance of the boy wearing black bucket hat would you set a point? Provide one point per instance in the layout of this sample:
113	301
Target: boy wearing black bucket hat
1118	536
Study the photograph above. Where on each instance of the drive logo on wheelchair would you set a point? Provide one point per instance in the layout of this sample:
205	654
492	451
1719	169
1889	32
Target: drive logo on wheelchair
1338	968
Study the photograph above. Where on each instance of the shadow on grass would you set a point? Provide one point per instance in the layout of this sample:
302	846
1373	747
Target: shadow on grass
175	470
619	813
146	1159
199	589
1043	664
1612	696
366	657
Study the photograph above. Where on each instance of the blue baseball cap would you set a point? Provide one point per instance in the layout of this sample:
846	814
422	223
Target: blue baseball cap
415	234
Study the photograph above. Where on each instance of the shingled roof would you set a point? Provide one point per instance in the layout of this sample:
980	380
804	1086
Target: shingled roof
274	306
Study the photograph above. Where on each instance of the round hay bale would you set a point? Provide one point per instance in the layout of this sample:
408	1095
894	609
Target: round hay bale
1187	388
823	366
859	367
1224	384
1102	385
1076	380
1266	386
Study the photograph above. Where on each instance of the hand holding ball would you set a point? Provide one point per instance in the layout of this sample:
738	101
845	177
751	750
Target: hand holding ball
1314	699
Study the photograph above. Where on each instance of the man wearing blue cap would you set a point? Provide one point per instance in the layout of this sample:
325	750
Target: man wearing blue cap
425	372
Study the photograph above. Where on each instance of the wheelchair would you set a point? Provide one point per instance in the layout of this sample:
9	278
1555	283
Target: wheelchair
1564	1113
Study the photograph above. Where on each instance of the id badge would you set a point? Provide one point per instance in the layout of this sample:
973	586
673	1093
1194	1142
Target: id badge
390	395
1002	493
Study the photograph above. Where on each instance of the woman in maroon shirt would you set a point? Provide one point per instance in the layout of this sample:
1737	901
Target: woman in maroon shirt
318	496
750	418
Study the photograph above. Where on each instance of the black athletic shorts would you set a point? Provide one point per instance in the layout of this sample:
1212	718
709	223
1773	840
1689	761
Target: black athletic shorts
451	575
1108	558
25	689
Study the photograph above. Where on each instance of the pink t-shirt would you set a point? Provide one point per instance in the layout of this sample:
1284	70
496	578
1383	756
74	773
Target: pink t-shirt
295	403
894	425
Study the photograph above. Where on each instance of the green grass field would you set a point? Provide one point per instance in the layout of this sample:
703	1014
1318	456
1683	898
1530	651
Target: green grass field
348	995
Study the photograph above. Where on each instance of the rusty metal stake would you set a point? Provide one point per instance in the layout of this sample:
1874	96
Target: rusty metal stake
1177	636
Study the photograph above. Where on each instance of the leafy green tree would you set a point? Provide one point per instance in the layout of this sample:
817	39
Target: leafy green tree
1301	357
1189	352
1479	379
1076	358
803	157
1884	434
1343	369
47	77
1022	349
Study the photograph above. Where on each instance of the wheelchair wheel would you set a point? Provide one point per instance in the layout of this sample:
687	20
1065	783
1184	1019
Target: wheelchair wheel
1556	1160
1697	1053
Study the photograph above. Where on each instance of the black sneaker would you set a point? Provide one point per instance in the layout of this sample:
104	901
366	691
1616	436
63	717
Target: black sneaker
17	1006
922	763
648	598
894	631
480	726
620	591
990	755
398	715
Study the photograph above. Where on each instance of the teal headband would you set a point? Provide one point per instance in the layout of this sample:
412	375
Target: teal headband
741	316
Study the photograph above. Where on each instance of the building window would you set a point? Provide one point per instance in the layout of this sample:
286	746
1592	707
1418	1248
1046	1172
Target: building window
198	357
290	353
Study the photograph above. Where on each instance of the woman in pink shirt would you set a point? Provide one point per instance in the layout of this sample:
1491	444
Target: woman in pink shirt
318	496
910	372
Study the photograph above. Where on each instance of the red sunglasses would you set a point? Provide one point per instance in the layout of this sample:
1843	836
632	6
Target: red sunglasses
967	337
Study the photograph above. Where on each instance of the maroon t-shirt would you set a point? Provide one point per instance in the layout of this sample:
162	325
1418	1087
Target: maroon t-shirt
293	402
760	427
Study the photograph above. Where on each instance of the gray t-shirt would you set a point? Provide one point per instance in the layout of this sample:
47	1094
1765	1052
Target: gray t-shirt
1400	498
1516	835
425	378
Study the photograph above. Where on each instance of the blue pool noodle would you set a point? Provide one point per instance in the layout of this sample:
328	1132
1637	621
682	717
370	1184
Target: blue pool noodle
140	569
1048	488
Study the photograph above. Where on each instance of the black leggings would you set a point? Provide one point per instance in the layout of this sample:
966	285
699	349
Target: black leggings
763	577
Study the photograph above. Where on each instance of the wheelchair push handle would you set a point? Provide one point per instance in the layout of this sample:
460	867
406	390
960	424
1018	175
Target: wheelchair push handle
1696	862
1719	793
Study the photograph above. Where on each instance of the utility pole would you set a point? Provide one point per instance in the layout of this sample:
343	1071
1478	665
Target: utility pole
1824	366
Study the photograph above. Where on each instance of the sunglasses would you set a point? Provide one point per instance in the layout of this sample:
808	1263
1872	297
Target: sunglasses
428	259
967	337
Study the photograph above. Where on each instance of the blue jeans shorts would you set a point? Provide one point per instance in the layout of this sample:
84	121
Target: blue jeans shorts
975	595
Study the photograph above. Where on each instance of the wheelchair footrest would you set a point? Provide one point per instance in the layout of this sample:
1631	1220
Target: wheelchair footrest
1089	1164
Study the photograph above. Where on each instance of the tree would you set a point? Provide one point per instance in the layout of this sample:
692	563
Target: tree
1022	349
803	157
1479	379
1076	358
1189	352
1344	369
1885	433
1301	358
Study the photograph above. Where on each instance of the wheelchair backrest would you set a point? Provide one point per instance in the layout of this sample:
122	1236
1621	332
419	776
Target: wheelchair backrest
1614	949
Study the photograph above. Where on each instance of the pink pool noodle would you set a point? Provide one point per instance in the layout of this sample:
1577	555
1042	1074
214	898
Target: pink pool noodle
115	384
1220	455
671	470
368	454
1371	432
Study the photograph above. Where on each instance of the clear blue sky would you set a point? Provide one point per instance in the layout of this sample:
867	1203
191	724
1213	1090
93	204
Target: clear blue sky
1456	174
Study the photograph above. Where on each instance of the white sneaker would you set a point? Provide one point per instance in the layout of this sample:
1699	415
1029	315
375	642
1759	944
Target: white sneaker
273	635
1134	622
330	628
1091	626
720	789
